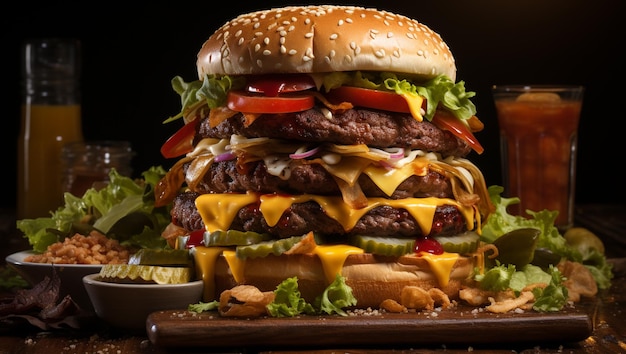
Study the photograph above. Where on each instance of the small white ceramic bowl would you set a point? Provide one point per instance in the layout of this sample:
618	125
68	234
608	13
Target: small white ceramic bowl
127	306
71	276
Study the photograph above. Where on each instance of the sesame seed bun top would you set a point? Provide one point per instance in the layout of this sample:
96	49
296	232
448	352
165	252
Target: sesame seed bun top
317	39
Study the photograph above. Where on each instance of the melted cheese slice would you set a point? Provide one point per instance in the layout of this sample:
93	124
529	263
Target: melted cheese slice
237	265
205	258
219	210
333	257
389	180
441	265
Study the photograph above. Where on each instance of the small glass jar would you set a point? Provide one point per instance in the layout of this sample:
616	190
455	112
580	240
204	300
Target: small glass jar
87	164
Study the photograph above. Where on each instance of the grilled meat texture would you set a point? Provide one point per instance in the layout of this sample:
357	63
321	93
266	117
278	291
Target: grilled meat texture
374	128
225	177
302	218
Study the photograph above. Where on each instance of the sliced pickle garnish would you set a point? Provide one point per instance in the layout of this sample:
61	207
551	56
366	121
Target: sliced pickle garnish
384	246
464	243
142	274
265	248
233	238
517	247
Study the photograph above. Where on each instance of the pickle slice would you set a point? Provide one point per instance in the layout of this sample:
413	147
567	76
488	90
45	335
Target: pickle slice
265	248
133	273
233	238
464	243
384	246
162	257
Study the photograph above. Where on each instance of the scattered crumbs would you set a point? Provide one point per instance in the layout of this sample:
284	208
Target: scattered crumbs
470	349
519	310
365	312
29	341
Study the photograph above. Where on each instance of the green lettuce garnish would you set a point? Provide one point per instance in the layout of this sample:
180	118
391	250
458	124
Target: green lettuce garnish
123	210
213	90
500	222
336	296
287	301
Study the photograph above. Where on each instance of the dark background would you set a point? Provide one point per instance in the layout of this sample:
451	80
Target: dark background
132	50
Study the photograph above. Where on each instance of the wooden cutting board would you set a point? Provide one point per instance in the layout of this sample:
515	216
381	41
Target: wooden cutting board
458	326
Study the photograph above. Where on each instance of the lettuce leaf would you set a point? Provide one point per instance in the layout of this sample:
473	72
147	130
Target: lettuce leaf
102	210
500	222
287	301
336	296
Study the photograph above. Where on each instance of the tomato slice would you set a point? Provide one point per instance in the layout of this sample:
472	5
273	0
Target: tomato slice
180	142
358	96
272	85
252	103
446	121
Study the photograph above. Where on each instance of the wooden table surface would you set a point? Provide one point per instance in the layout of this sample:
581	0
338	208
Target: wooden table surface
607	313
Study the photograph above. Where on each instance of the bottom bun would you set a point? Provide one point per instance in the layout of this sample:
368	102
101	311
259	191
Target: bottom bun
373	279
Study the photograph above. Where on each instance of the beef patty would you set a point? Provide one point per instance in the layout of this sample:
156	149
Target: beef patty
302	218
225	177
374	128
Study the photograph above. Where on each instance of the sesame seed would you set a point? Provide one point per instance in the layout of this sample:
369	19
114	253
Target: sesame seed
283	49
380	53
259	63
389	34
257	47
306	58
267	52
349	20
396	53
293	52
333	36
266	40
238	33
241	40
340	23
309	35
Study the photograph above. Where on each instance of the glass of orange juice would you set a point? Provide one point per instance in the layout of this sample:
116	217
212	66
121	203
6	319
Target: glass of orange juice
538	143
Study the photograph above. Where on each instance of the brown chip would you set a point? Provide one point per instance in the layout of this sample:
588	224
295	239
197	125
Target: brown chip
439	297
390	305
510	304
245	301
414	297
475	296
306	245
579	282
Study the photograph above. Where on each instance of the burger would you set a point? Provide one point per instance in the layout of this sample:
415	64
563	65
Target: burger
325	141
